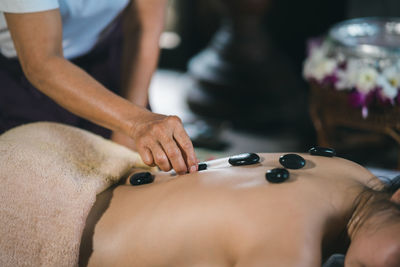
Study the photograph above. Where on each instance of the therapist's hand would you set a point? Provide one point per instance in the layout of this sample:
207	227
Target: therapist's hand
161	140
124	140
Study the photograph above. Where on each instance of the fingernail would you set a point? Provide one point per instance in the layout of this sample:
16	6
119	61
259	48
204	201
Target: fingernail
193	169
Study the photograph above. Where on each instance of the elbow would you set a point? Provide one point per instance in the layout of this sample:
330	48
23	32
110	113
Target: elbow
30	70
36	69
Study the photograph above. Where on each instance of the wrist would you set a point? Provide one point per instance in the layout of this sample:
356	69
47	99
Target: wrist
133	120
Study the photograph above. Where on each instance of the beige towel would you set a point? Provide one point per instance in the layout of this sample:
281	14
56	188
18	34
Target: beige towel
50	174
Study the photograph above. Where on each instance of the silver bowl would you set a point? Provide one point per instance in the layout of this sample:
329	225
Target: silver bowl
373	38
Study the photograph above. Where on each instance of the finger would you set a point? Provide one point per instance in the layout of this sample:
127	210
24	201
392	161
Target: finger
160	158
174	155
146	155
186	146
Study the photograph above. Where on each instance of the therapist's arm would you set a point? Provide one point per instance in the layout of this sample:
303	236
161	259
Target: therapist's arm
143	22
37	37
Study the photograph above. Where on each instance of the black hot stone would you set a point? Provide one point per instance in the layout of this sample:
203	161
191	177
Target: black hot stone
244	159
141	178
292	161
202	166
277	175
322	151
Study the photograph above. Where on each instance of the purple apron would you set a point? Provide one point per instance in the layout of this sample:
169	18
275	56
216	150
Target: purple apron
22	103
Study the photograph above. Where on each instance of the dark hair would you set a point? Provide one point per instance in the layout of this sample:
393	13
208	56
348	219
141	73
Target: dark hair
392	185
376	200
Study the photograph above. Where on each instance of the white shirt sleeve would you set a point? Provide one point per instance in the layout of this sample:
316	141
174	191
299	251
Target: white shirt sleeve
26	6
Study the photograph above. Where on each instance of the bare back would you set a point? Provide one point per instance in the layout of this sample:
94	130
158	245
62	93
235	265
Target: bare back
227	216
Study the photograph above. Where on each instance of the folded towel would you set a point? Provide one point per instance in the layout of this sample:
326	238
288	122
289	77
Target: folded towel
50	174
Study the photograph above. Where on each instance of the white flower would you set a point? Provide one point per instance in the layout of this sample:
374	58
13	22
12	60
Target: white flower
347	78
318	53
310	63
366	80
392	74
389	81
308	68
343	82
324	68
318	66
353	69
387	89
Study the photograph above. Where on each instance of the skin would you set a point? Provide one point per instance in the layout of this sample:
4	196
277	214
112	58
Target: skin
160	140
372	247
231	216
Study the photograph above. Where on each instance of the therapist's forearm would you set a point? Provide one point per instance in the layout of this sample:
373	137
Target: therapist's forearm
143	22
78	92
138	69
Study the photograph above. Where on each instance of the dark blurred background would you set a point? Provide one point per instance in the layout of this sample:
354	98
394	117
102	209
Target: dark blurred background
289	23
236	68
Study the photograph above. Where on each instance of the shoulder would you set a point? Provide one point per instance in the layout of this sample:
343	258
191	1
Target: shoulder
343	168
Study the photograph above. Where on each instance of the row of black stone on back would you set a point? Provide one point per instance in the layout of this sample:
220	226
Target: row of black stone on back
277	175
294	161
238	160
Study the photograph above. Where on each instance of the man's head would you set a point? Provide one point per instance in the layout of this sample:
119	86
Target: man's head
376	240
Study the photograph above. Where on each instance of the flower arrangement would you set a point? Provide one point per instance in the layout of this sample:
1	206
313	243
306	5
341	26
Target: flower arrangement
368	81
